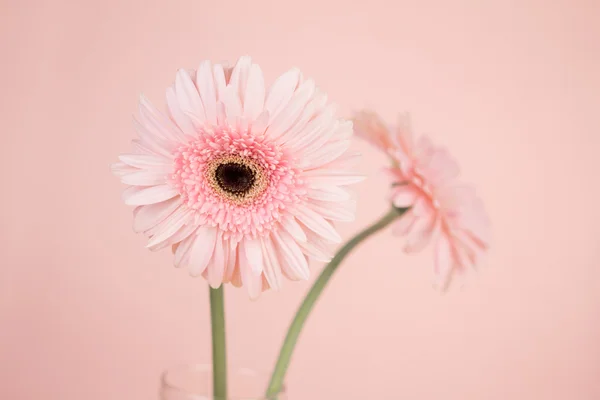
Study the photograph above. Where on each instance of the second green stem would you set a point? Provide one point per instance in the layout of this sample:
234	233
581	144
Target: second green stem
295	328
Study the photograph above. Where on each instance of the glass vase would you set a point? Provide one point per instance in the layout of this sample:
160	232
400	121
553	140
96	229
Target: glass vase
194	382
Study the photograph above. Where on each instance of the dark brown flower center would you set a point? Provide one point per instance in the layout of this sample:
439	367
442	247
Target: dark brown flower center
235	178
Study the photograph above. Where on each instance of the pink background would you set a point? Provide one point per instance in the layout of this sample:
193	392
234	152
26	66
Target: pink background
511	87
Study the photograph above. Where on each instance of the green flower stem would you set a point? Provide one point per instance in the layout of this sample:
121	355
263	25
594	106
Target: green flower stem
219	356
303	312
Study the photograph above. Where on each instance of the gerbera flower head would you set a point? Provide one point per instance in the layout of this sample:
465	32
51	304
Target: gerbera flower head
242	181
424	179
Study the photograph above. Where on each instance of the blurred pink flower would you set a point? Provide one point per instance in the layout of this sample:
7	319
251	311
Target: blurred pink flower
423	178
243	182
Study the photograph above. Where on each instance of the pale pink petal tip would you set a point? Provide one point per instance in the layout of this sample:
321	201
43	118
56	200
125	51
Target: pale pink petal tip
243	181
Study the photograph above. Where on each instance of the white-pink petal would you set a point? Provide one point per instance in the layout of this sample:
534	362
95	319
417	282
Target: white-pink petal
233	105
158	126
326	178
290	113
319	130
325	154
206	88
239	76
140	148
188	96
343	132
319	100
314	118
251	281
346	161
290	255
334	211
259	125
177	115
220	81
184	232
202	250
150	143
147	161
230	248
145	178
316	248
216	267
170	225
182	254
253	251
316	223
299	127
271	267
254	96
328	193
146	217
150	195
281	92
120	169
290	224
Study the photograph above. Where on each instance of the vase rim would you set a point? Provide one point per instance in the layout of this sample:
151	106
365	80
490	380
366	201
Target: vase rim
204	368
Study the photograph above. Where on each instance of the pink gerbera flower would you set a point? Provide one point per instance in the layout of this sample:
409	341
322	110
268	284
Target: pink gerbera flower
243	182
423	179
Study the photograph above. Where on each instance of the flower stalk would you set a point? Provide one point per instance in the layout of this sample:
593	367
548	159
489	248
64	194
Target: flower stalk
219	355
313	295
